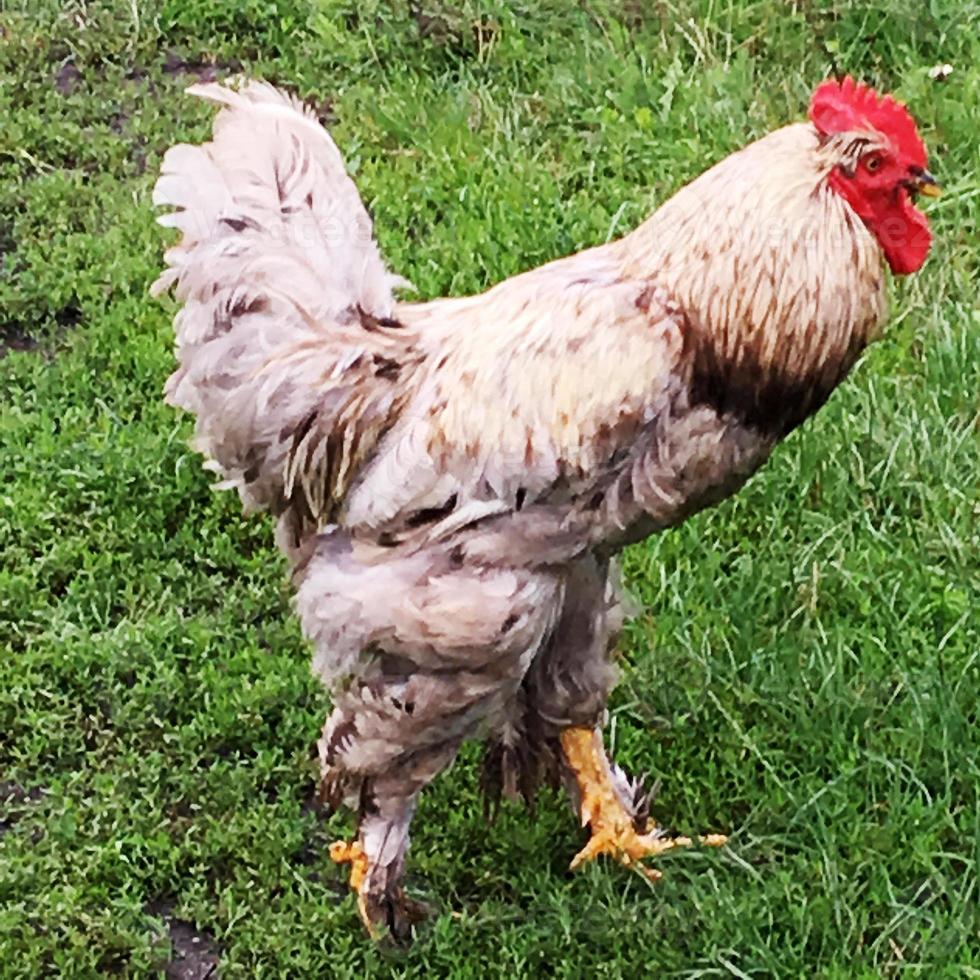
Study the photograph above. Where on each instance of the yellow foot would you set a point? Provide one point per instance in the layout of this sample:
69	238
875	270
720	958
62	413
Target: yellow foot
612	825
384	907
627	846
351	852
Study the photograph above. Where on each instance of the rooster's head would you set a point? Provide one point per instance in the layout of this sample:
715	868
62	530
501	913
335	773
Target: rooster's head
878	165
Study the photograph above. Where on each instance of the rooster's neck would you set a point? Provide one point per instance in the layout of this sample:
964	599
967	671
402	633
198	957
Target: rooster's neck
780	282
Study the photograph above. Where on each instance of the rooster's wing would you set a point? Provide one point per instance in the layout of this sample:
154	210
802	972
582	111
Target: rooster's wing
532	394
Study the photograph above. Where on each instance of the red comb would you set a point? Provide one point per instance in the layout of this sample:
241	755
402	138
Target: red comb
837	107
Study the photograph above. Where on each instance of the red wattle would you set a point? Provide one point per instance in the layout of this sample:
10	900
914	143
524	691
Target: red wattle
904	235
901	229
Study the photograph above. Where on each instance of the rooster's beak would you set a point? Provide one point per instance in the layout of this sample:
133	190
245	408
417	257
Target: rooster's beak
924	183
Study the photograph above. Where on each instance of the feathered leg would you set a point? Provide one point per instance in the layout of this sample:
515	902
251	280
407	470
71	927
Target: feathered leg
377	859
564	699
429	653
385	800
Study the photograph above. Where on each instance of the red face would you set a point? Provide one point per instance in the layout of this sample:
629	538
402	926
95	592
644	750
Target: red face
881	182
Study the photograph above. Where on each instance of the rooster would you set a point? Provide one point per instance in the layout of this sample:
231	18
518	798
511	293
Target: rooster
452	479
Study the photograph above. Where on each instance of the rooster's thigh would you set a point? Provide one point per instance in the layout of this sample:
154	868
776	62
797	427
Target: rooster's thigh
567	684
570	680
419	653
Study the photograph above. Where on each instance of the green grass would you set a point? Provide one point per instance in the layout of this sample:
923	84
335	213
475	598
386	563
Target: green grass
806	672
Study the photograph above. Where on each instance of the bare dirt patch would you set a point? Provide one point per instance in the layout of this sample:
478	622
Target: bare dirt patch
199	69
194	953
67	78
15	800
14	337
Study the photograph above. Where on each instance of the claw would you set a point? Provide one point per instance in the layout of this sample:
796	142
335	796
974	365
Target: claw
612	824
379	908
628	847
351	852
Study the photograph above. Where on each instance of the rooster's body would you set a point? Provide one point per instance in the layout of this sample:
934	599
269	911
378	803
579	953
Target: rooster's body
453	478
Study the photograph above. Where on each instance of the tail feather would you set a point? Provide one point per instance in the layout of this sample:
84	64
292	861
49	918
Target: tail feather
271	163
287	354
